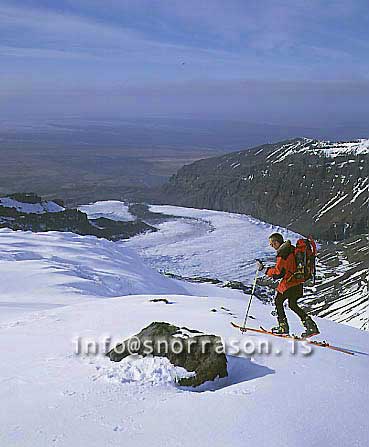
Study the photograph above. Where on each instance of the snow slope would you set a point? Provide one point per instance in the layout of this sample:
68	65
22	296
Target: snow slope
111	209
52	396
207	243
46	270
322	148
225	245
46	206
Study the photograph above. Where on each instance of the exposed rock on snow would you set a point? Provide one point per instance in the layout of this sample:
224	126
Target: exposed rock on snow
195	279
200	353
27	211
160	300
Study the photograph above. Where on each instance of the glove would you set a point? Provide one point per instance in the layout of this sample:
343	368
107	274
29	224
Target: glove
259	265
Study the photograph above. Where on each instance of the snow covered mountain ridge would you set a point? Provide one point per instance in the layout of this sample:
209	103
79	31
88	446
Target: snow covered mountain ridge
320	148
312	187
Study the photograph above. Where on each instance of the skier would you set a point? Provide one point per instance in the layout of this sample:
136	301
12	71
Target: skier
289	288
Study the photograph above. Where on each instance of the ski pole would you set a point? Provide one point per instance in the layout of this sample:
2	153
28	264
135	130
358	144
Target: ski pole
252	294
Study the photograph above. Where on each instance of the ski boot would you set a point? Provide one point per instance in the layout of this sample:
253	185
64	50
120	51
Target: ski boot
311	328
282	328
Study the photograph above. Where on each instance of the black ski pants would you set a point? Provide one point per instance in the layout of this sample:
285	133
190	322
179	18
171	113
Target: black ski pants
292	295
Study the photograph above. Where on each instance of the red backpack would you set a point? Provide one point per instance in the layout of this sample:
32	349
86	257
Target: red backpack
305	254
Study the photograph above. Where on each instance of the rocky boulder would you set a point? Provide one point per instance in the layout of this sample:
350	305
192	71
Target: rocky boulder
190	349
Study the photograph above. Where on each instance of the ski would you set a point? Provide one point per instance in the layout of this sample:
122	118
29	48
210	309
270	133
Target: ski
321	344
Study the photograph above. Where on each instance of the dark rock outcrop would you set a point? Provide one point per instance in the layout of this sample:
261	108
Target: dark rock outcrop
262	292
190	349
116	230
160	300
66	220
27	197
142	211
195	279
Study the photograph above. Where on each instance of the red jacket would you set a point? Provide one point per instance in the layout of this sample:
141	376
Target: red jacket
284	267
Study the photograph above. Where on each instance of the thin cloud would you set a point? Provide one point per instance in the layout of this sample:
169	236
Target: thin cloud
146	57
55	35
41	53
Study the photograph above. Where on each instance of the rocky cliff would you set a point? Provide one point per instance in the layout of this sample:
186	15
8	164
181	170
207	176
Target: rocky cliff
306	185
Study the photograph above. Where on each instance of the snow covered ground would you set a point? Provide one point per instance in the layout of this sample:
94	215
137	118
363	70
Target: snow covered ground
207	243
47	270
225	245
111	209
58	288
47	206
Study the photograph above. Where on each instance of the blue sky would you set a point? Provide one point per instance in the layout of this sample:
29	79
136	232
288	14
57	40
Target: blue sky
291	61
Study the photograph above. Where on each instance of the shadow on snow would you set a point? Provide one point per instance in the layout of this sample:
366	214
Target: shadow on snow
240	369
